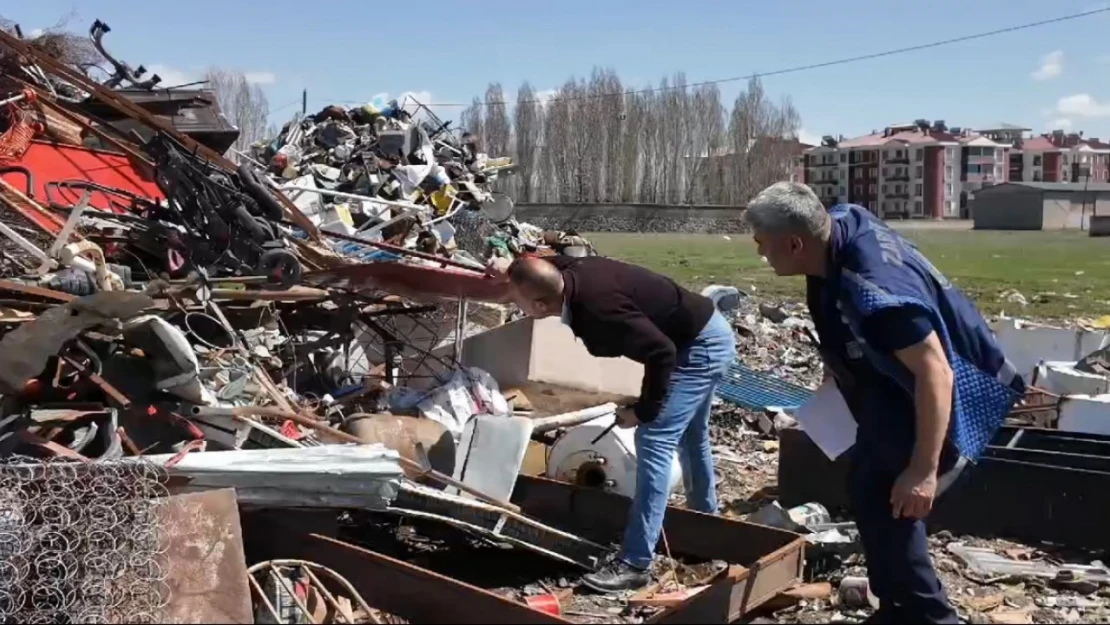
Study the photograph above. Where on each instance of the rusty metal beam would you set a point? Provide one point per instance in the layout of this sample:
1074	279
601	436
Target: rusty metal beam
764	561
36	291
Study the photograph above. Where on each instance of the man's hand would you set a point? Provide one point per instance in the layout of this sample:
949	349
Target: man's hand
913	493
498	268
626	418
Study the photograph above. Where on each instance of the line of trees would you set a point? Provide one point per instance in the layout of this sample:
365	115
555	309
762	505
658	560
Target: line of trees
596	141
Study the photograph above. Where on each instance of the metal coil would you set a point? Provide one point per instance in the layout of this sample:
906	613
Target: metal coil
82	542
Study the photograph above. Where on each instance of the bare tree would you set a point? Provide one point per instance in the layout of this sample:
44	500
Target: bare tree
759	153
243	104
595	142
472	121
528	122
498	129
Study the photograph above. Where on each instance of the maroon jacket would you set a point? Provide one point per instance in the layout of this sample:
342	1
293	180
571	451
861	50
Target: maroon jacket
618	309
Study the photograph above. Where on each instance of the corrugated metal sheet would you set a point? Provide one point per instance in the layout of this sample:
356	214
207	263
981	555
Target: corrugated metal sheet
756	390
329	476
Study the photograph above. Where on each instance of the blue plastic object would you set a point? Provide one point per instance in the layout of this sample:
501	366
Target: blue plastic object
756	390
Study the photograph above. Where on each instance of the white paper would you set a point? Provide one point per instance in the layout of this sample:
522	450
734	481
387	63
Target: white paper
827	420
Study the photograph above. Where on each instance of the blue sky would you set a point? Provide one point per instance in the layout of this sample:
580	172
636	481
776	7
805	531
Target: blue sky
340	50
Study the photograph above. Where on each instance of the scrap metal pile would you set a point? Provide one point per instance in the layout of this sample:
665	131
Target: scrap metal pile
288	325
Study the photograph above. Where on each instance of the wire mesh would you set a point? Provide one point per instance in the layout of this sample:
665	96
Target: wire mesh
82	542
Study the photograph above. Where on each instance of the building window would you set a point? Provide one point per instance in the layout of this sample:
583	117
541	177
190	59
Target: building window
948	172
920	172
859	190
843	157
874	172
919	154
918	208
871	190
1036	176
841	189
884	189
1037	161
973	169
918	189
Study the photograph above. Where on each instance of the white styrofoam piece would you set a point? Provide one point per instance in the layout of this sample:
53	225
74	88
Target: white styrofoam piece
1065	379
1027	344
1085	414
617	448
491	453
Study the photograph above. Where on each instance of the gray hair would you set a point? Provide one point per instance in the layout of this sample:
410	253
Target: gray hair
787	208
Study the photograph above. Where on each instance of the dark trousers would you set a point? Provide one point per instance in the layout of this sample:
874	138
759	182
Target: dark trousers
899	568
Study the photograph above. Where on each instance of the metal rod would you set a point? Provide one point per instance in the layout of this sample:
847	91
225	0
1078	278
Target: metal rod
568	419
265	600
13	100
292	594
27	246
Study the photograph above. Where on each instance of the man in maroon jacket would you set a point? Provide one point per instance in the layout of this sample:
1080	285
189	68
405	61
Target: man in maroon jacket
685	345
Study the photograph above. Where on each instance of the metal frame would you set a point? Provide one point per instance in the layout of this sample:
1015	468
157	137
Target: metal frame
764	561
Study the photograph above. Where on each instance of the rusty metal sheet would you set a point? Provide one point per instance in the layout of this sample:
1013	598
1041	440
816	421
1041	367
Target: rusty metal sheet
415	281
206	565
765	560
387	584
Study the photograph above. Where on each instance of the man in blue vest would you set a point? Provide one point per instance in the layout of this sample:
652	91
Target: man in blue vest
917	365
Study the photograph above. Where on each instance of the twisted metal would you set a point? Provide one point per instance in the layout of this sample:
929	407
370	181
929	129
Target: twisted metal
82	542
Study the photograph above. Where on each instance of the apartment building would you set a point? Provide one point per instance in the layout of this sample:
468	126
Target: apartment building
917	170
1060	157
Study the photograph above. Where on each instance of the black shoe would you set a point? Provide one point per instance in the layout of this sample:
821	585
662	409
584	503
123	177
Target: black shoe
617	577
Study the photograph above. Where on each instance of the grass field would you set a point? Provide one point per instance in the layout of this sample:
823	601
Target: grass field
1061	274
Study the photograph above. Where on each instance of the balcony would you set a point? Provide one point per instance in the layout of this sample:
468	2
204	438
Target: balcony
898	178
816	164
905	195
904	160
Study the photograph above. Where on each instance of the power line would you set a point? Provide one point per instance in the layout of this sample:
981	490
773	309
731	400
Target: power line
811	66
283	106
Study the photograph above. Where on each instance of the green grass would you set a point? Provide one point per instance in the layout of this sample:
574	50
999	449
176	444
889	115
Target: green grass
982	263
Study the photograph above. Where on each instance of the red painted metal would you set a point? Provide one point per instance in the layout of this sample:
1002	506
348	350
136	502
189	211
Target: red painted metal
414	281
49	162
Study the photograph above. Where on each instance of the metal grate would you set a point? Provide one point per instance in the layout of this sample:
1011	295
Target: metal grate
756	390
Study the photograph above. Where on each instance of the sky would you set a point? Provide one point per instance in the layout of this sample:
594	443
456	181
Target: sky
341	51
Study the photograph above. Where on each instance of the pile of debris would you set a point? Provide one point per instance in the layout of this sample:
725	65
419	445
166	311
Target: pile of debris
291	325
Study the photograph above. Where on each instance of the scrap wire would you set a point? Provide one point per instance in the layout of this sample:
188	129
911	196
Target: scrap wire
311	569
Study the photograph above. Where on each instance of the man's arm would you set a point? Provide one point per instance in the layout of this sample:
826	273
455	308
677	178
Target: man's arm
932	399
907	333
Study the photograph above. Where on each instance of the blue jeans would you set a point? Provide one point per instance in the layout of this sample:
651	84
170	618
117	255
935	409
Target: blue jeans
682	425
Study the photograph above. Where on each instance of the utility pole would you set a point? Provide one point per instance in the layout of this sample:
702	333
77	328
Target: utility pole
304	102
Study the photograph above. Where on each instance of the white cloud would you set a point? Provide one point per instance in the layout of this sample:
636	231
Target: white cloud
807	137
36	32
1052	65
1082	105
1060	124
171	77
261	78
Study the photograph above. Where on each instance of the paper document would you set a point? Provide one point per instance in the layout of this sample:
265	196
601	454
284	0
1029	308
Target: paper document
828	422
